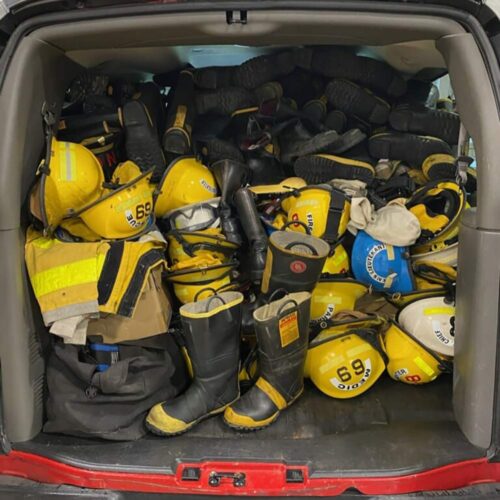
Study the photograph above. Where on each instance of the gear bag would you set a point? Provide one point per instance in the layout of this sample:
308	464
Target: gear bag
110	404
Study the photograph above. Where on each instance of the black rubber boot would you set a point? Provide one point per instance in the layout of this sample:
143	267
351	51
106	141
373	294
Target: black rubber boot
149	94
141	139
181	115
265	170
336	62
296	143
230	176
211	330
302	86
268	92
282	329
354	164
445	104
254	231
217	149
214	77
410	148
419	92
93	122
87	84
294	262
354	100
316	110
224	101
259	70
336	120
421	120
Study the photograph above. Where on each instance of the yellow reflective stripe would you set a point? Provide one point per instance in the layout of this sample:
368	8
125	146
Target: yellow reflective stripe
272	393
423	366
439	310
73	274
364	347
390	252
325	299
331	363
67	161
347	161
244	110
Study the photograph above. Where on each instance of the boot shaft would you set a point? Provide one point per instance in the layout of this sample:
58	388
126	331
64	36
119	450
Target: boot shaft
294	262
230	176
212	332
282	326
282	329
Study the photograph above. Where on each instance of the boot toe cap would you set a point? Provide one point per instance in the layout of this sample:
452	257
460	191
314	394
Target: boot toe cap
246	422
159	420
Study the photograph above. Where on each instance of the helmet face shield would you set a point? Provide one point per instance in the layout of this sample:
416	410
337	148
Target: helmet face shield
196	217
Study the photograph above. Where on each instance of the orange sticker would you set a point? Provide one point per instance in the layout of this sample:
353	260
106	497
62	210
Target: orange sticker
289	329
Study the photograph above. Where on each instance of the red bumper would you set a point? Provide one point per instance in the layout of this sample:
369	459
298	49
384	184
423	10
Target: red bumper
260	479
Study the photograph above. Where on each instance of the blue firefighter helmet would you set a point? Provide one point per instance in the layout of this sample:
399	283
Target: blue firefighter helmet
385	267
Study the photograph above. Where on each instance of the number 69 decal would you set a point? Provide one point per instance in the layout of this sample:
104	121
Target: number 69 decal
143	210
357	366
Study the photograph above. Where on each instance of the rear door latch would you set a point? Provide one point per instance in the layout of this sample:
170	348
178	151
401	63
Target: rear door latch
236	16
215	478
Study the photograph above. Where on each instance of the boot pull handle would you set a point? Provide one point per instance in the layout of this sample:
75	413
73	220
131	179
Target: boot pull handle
275	293
297	222
289	301
302	244
199	292
211	299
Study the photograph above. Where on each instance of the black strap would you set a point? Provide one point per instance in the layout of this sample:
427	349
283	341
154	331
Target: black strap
367	334
148	261
110	271
335	212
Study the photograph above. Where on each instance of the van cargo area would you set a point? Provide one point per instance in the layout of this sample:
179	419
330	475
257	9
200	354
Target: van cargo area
391	431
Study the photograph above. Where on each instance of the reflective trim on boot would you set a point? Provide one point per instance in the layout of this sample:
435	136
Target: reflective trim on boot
259	410
159	420
162	424
272	393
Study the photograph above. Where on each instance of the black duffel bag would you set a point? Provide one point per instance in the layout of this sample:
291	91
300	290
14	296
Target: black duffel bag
110	404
